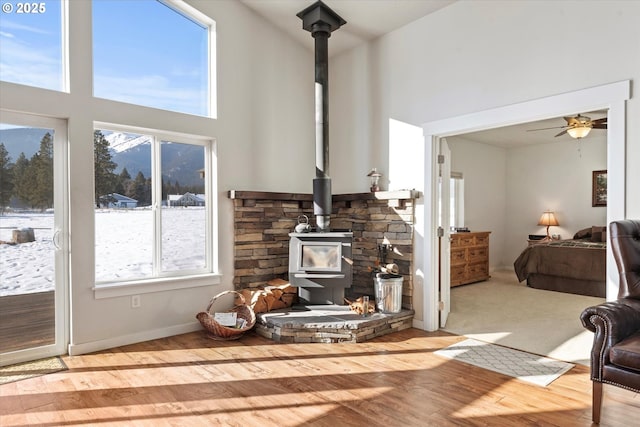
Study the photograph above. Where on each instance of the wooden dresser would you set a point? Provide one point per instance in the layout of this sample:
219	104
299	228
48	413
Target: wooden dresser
469	257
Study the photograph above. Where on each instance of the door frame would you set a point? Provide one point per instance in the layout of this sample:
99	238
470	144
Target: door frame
611	97
60	236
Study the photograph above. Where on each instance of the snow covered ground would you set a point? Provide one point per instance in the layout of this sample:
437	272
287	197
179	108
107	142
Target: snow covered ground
124	246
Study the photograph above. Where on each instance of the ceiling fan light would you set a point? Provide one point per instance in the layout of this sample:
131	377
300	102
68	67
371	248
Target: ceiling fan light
579	131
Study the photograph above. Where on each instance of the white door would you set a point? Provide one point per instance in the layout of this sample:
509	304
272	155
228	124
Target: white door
34	218
444	203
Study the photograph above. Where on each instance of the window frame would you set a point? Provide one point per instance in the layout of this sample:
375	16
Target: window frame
456	196
192	13
64	78
170	280
198	18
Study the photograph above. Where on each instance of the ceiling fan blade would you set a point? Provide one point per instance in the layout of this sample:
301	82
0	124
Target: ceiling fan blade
599	121
555	127
572	121
562	133
599	126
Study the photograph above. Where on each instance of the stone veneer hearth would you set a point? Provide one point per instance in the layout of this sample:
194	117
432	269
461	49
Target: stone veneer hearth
263	221
329	324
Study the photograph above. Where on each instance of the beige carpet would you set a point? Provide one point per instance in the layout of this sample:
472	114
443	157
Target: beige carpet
505	312
22	371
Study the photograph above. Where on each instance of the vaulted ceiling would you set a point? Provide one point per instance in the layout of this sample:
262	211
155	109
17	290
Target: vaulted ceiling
366	19
370	19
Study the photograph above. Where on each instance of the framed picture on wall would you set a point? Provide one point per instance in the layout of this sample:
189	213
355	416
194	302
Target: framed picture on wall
599	188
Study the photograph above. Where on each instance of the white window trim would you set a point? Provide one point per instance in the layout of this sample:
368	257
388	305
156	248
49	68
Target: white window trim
205	20
193	14
458	196
181	279
158	284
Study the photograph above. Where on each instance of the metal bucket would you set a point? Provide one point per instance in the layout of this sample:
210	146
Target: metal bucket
388	290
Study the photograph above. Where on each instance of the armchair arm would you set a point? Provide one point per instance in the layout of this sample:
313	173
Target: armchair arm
611	322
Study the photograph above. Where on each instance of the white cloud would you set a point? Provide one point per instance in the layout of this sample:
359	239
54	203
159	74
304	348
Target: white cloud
152	91
30	66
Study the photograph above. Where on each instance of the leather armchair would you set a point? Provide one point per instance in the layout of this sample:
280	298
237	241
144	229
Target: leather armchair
615	355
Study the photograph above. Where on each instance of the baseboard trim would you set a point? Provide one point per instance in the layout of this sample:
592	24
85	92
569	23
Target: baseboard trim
90	347
418	324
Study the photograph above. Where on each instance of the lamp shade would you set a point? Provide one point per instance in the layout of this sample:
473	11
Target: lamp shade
579	131
548	218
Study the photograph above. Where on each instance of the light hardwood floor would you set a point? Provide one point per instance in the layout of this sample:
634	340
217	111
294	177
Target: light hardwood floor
395	380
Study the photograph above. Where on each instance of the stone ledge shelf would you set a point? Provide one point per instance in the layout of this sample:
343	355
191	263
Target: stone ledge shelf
329	324
397	196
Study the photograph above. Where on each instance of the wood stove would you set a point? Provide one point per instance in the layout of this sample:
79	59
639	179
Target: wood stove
320	265
320	261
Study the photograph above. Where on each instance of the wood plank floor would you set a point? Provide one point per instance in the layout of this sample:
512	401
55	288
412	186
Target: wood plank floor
395	380
27	320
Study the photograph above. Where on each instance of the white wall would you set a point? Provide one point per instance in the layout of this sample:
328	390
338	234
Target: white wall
265	119
475	56
557	177
507	189
484	169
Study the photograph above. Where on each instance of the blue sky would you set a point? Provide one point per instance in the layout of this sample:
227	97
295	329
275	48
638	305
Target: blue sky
30	46
144	53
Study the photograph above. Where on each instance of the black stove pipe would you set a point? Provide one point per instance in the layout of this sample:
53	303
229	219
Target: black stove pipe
320	20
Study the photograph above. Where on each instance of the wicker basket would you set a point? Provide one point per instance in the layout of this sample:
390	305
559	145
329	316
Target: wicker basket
217	331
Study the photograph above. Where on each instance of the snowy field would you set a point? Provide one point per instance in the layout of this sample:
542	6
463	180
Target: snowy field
124	247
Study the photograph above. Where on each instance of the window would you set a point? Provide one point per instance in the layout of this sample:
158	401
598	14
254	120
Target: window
456	195
153	53
31	40
153	205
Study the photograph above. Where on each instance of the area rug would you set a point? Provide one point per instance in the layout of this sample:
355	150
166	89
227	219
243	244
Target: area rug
22	371
527	367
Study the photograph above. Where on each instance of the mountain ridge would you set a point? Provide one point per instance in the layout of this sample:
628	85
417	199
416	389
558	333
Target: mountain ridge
180	162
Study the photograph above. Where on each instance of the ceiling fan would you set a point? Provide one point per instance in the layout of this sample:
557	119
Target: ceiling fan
578	126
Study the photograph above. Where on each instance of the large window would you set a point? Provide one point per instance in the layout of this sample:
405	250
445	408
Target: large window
153	53
153	205
31	41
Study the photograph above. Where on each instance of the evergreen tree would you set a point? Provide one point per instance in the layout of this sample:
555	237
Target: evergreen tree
22	181
6	178
105	178
142	190
122	182
165	189
41	166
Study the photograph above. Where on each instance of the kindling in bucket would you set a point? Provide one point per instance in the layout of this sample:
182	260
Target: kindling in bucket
388	288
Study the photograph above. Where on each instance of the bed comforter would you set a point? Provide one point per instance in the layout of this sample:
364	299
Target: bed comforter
574	266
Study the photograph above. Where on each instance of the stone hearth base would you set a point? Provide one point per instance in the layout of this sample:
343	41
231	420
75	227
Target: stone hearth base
328	324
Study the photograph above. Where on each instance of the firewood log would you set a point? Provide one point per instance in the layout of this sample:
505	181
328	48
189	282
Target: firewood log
358	306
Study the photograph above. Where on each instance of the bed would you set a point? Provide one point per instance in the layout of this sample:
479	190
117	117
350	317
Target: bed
576	266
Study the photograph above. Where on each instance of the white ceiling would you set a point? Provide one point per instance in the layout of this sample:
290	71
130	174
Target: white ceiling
518	135
366	19
370	19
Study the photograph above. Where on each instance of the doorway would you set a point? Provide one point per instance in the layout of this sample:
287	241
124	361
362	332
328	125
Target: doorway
33	234
612	97
513	176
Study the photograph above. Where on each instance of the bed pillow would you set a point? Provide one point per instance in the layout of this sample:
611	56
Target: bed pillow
598	234
585	233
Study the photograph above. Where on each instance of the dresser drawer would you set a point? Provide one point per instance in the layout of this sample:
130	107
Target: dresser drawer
458	256
469	257
482	240
477	254
478	271
458	275
462	240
